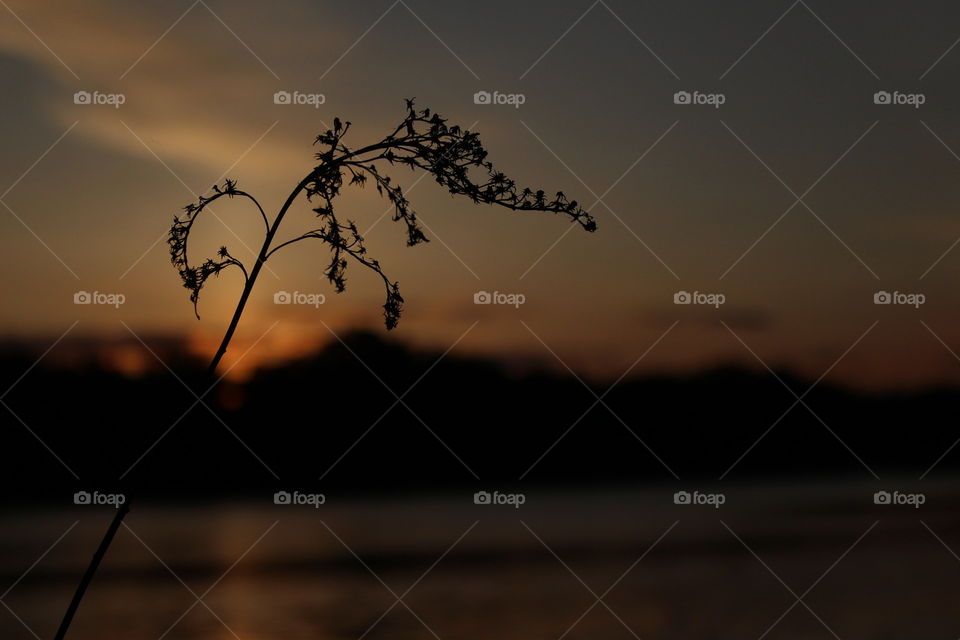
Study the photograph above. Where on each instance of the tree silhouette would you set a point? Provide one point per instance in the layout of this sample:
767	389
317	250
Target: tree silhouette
423	140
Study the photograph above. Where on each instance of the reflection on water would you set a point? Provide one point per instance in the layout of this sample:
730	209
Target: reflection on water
255	571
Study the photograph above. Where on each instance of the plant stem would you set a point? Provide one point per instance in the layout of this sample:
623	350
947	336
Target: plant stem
254	272
123	510
91	570
247	288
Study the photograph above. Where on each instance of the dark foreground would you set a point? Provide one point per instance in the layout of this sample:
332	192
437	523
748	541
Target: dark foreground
466	571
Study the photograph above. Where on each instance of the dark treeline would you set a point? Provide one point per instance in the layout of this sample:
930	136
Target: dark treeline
304	420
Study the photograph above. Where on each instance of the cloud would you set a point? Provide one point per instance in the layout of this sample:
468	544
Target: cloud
196	96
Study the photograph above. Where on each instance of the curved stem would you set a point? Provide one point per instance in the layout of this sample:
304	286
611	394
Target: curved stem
203	205
309	234
266	224
235	262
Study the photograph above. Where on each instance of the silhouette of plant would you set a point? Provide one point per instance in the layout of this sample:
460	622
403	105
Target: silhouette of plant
422	140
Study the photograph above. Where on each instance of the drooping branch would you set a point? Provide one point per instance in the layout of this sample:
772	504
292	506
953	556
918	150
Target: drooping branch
347	240
195	277
422	140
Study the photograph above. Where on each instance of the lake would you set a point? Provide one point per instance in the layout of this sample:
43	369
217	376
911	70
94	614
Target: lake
798	561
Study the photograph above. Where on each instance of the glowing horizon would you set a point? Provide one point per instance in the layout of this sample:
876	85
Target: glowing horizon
92	188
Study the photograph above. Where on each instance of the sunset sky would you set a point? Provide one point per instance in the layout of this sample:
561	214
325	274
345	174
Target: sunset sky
798	198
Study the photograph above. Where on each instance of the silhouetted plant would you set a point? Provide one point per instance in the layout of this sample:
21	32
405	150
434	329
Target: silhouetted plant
422	140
